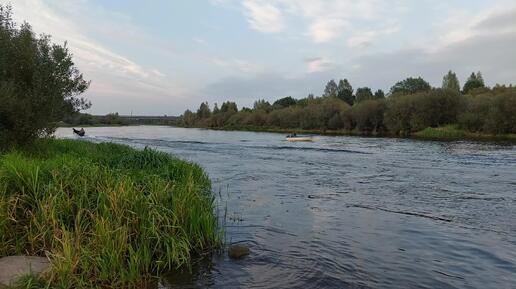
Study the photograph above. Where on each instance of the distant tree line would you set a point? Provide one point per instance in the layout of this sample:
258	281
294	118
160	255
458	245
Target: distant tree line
410	105
114	119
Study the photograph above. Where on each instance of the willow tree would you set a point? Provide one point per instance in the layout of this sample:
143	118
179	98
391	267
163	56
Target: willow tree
39	83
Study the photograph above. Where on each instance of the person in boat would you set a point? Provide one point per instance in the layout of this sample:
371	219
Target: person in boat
79	132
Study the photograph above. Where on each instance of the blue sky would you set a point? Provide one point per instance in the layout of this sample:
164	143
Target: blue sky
161	57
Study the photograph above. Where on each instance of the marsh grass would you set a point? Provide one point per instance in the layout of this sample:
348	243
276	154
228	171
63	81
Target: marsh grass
106	215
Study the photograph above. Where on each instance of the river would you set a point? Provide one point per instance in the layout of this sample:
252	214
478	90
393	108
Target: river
348	212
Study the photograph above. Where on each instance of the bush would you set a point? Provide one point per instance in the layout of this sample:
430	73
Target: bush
39	83
410	113
368	116
490	111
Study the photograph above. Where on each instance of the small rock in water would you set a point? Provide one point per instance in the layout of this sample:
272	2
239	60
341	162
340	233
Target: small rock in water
237	251
14	267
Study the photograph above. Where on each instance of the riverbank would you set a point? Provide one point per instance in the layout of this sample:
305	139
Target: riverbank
106	215
446	133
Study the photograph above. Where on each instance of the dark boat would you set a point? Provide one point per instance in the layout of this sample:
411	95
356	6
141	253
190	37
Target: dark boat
79	132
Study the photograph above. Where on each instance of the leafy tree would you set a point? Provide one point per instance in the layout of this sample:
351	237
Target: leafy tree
410	86
262	104
229	107
368	115
379	94
363	93
410	113
331	89
474	81
450	81
284	102
216	109
188	118
204	111
345	92
39	83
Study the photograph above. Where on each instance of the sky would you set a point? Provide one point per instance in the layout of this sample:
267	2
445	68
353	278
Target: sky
159	57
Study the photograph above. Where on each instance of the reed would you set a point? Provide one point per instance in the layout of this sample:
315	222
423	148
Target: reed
106	215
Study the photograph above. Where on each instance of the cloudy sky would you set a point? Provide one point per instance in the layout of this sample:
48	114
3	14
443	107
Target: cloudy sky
160	57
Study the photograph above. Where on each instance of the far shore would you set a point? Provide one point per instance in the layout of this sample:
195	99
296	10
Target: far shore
447	133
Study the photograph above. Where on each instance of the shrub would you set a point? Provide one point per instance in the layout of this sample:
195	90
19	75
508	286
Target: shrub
39	83
368	116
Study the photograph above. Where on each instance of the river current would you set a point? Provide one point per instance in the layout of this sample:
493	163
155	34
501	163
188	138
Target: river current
348	212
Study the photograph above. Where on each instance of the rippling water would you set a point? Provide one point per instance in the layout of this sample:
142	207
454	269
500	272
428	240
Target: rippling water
347	212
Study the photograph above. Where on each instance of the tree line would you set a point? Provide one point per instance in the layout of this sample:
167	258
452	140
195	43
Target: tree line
410	105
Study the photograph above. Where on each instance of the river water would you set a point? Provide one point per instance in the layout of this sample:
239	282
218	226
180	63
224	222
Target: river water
348	212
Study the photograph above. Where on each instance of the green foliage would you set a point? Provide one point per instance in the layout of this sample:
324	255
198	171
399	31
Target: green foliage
112	119
474	81
410	86
345	92
379	94
491	111
284	102
413	107
363	93
410	113
368	116
203	111
39	82
107	216
451	82
262	105
331	89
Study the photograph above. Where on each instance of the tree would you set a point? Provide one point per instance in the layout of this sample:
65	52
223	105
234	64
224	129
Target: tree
204	111
345	91
284	102
331	89
215	108
474	81
379	94
450	81
188	118
39	83
363	93
229	107
262	104
410	86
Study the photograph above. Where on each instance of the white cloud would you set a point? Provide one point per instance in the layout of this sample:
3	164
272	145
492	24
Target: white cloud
324	30
363	39
324	21
463	25
263	16
318	64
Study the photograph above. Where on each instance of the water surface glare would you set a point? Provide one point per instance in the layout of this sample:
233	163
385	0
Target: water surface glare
348	212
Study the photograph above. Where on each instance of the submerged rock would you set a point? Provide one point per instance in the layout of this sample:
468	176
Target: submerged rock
14	267
238	251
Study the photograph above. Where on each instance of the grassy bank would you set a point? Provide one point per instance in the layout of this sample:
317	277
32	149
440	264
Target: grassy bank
106	215
451	132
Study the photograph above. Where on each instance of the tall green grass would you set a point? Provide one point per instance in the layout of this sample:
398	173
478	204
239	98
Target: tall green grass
106	215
